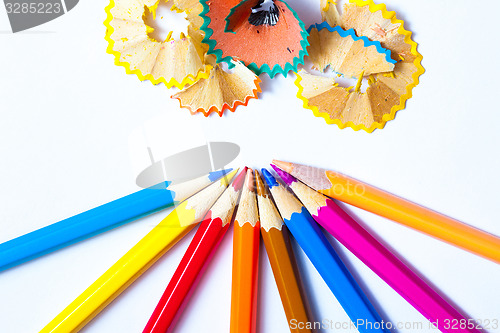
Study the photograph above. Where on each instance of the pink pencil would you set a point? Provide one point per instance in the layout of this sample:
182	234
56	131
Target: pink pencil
380	259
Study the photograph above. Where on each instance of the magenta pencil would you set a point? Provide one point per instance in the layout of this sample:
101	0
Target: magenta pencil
378	258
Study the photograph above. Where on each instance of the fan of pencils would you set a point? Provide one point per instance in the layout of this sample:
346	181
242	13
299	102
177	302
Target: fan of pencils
260	205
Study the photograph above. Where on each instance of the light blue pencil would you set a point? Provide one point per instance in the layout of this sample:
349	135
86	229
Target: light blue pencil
324	258
99	219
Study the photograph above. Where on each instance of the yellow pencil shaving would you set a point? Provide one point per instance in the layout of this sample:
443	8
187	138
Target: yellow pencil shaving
142	55
153	9
327	5
169	36
176	9
360	81
387	92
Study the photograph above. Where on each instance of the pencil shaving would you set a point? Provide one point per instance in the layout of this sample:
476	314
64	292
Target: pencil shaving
175	62
193	9
387	92
379	25
220	91
330	13
345	53
274	37
343	107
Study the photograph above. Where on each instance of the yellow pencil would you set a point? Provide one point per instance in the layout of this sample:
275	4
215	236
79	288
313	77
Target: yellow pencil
137	260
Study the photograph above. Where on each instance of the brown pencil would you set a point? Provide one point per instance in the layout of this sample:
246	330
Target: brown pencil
280	253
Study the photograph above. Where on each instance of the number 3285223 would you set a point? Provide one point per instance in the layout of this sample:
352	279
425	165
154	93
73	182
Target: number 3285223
33	8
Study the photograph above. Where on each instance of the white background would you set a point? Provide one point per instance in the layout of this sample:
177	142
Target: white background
68	113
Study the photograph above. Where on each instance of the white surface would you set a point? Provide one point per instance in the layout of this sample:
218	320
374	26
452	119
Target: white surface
67	114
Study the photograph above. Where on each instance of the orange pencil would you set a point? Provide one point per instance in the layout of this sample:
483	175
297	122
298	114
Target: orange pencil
282	260
372	199
245	261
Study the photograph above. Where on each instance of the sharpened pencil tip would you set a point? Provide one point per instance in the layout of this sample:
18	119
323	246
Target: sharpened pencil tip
261	188
238	181
287	178
285	166
270	180
228	177
214	175
249	180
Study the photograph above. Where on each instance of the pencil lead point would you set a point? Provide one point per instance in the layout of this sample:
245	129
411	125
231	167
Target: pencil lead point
228	177
214	175
270	180
285	166
287	178
249	180
261	188
238	181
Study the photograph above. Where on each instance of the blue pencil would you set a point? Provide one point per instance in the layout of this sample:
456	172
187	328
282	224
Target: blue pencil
100	219
324	258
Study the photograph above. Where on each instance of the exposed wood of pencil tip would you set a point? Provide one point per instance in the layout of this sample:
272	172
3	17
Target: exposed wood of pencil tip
312	176
247	207
285	166
261	187
226	203
239	181
250	180
268	213
286	202
198	202
185	188
311	199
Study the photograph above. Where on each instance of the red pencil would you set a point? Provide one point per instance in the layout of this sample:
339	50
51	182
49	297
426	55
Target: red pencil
203	245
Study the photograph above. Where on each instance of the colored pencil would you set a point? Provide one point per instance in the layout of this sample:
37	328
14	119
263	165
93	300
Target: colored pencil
377	257
282	260
364	196
138	259
99	219
324	258
246	242
196	258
